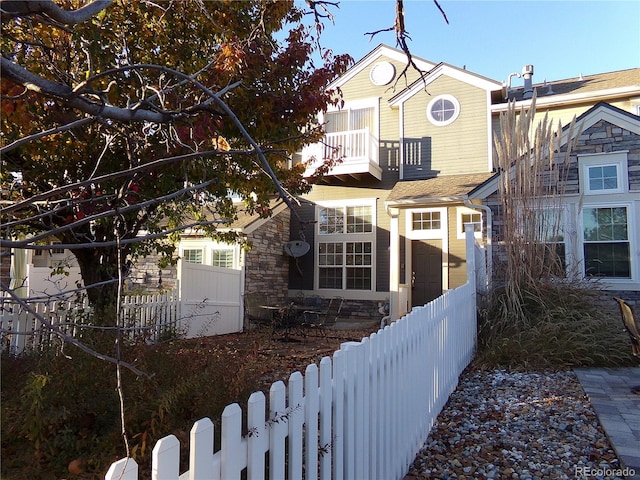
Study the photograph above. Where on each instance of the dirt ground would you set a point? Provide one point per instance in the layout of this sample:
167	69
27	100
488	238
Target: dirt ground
281	353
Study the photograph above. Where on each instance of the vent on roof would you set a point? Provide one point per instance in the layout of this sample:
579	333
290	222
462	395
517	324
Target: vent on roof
527	74
382	73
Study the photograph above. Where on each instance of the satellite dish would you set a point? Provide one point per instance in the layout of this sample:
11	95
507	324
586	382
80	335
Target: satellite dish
296	248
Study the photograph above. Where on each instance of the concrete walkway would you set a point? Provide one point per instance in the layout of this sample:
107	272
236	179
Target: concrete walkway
618	410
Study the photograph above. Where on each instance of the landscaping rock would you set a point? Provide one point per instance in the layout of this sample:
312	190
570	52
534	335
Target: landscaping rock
499	424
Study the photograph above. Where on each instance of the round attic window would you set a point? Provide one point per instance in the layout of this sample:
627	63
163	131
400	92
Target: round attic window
382	73
443	110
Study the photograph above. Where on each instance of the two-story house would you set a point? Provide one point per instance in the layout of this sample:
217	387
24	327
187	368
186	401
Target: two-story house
418	163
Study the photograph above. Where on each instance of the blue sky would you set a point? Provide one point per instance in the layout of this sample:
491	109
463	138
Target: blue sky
562	39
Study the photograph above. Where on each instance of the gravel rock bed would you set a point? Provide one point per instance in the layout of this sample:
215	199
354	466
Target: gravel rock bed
499	425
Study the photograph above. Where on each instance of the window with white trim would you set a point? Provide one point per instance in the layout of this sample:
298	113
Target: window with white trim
192	255
222	257
56	250
346	243
468	215
606	246
443	110
426	223
603	173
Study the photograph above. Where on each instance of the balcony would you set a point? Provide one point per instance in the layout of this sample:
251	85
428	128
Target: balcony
358	150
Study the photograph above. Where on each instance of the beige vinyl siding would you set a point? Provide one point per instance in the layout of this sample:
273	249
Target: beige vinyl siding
360	86
457	252
565	115
460	147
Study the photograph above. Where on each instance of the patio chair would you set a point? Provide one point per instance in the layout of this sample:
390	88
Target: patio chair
632	326
322	320
254	313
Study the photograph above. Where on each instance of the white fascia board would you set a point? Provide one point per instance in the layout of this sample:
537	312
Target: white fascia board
449	71
490	162
258	222
424	201
608	115
603	112
572	98
372	57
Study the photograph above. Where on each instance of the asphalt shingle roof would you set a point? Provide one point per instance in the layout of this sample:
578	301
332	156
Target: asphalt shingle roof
584	84
443	186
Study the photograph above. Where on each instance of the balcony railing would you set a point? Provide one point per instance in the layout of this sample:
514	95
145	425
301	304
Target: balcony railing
358	150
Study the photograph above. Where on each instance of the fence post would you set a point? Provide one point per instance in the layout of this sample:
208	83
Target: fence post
471	255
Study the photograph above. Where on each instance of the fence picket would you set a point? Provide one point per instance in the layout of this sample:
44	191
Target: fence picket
338	414
277	430
166	459
296	422
365	413
325	403
257	441
201	451
125	469
312	407
233	448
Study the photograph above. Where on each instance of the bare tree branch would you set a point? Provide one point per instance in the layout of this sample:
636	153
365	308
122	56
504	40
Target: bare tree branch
12	8
52	131
402	36
65	337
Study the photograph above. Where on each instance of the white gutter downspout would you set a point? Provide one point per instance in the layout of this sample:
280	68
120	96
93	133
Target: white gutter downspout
488	212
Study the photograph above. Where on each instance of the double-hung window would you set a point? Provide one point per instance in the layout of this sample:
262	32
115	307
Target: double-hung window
607	222
606	241
345	254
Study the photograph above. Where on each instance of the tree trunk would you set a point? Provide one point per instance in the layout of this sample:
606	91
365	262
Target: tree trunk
99	265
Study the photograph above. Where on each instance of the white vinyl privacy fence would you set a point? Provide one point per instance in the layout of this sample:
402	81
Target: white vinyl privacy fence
362	414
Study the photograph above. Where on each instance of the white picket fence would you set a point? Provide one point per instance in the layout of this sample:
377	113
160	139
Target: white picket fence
363	414
144	316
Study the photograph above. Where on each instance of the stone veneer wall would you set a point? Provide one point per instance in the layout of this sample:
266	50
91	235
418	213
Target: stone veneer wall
146	275
601	137
266	264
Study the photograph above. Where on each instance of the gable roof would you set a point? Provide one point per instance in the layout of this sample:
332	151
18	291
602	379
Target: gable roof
374	55
245	222
445	188
593	88
609	113
444	69
601	111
